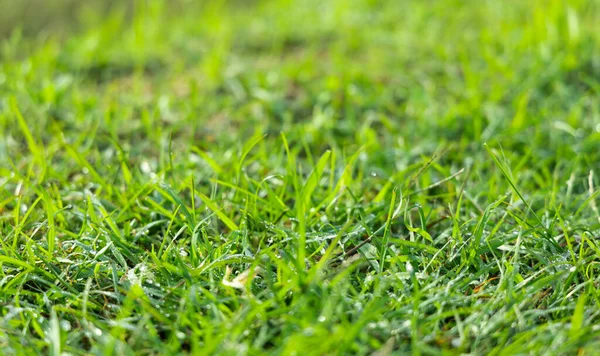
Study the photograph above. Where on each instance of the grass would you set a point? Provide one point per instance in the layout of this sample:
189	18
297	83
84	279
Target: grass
302	177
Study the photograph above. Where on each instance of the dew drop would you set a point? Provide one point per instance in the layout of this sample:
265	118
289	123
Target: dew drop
65	325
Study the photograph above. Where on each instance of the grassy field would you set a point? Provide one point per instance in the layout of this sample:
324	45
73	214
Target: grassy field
300	177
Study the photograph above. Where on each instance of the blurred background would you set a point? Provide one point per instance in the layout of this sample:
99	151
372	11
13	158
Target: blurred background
470	69
35	17
32	17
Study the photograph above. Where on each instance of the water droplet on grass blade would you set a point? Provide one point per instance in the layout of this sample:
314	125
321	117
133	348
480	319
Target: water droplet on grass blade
309	331
65	325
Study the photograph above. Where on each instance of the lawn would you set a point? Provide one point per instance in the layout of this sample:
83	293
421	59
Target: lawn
300	177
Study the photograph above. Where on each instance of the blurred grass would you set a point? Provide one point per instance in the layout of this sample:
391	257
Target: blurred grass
32	17
414	176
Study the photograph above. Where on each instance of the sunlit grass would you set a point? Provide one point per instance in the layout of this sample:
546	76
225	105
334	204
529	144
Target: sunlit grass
304	177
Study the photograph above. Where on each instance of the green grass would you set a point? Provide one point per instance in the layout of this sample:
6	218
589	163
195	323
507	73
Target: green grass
302	177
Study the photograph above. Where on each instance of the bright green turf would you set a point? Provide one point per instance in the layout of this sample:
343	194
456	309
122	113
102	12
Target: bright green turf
414	176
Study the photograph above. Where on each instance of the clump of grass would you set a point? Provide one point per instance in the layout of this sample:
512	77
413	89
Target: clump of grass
303	177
